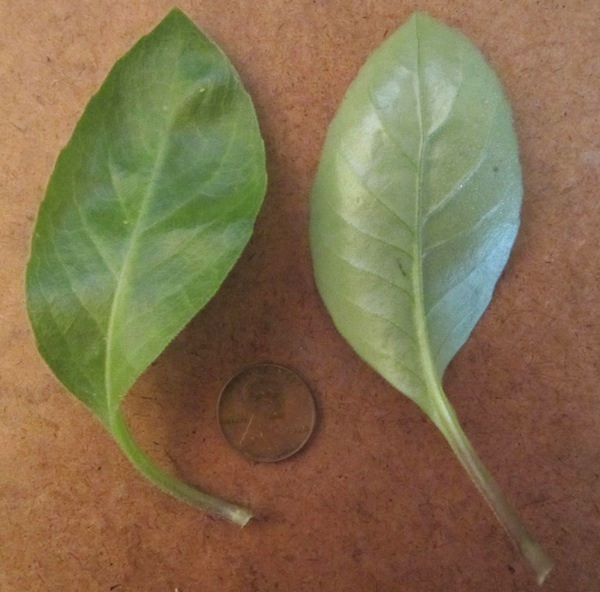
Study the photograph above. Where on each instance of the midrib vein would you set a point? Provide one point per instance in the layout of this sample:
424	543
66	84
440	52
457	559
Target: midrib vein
129	256
427	367
127	261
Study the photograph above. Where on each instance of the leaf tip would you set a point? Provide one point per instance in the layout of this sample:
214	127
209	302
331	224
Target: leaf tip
177	15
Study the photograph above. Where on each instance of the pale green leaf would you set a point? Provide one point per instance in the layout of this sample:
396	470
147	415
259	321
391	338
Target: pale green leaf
415	208
148	208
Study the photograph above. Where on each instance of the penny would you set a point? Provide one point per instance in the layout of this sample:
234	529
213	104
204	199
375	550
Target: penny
266	412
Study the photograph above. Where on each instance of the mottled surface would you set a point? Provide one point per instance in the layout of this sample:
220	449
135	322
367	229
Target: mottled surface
375	502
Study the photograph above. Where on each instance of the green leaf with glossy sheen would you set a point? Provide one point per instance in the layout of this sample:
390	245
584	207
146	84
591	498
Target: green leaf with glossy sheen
148	208
415	208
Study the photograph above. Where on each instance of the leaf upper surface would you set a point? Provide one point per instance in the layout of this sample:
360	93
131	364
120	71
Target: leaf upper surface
149	206
415	205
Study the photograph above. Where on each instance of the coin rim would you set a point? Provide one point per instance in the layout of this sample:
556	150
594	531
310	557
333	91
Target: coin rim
287	454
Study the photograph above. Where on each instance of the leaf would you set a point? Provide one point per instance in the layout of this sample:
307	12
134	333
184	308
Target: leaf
148	208
415	208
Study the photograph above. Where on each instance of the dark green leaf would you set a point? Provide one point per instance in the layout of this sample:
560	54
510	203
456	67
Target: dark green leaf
148	208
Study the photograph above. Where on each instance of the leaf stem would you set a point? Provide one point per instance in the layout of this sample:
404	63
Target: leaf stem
446	420
170	484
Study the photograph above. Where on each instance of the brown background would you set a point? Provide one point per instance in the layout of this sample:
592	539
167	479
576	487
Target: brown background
376	502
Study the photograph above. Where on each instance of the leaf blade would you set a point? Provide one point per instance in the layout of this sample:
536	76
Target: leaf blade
162	179
401	130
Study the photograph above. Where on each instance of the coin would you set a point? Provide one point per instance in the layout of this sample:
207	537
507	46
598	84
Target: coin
266	412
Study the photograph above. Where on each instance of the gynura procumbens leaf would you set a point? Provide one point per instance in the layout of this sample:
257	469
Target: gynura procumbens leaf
148	208
414	211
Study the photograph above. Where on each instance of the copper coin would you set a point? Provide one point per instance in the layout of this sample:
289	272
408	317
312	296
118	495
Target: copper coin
266	412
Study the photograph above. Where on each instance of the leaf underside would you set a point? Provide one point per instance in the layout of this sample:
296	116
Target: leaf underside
414	211
415	205
148	208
